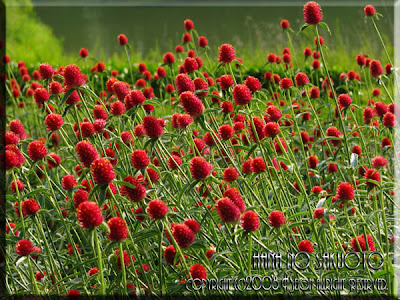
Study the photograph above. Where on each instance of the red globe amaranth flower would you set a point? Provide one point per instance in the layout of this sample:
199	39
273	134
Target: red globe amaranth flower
121	89
53	122
333	132
183	83
169	58
174	162
369	10
183	235
139	159
285	83
258	165
86	153
134	194
276	219
190	65
83	52
41	95
227	210
191	104
231	174
18	128
380	108
344	100
379	162
73	294
135	97
18	184
117	108
306	246
11	138
127	259
89	215
157	209
361	241
319	213
241	94
389	120
54	161
198	271
122	39
271	129
285	24
24	247
250	221
55	88
234	195
200	168
68	182
225	81
46	71
312	13
29	207
372	174
73	78
118	229
375	68
152	127
226	53
301	79
37	150
169	255
93	271
203	42
253	83
102	171
312	161
345	191
188	24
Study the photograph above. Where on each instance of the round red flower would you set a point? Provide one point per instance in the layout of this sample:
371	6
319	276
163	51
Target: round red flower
89	215
200	168
135	194
157	209
118	229
227	210
312	13
102	171
250	221
306	246
226	53
37	150
139	159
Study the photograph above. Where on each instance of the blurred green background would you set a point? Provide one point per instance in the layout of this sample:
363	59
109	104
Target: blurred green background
54	31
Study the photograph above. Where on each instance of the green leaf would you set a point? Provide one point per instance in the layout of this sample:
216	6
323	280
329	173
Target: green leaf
323	24
66	96
304	27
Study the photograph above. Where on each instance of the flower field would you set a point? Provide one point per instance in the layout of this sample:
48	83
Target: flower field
152	182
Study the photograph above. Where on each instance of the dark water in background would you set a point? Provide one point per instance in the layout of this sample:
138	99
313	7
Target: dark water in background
149	27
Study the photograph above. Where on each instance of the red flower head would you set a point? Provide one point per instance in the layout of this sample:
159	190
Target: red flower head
258	165
203	42
169	58
250	221
46	71
226	53
86	153
83	52
135	194
18	128
272	129
312	161
285	24
193	225
184	83
183	235
198	271
363	244
345	191
121	89
17	185
191	104
241	94
41	95
118	229
174	161
236	198
306	246
169	254
179	49
372	174
89	215
227	210
389	120
24	247
200	168
301	79
53	122
231	174
152	127
102	171
139	159
73	77
334	132
29	207
375	68
381	108
369	10
312	13
54	160
188	24
68	182
379	162
37	150
122	39
344	100
285	83
226	132
157	209
276	219
117	108
135	97
55	88
319	213
190	65
252	83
